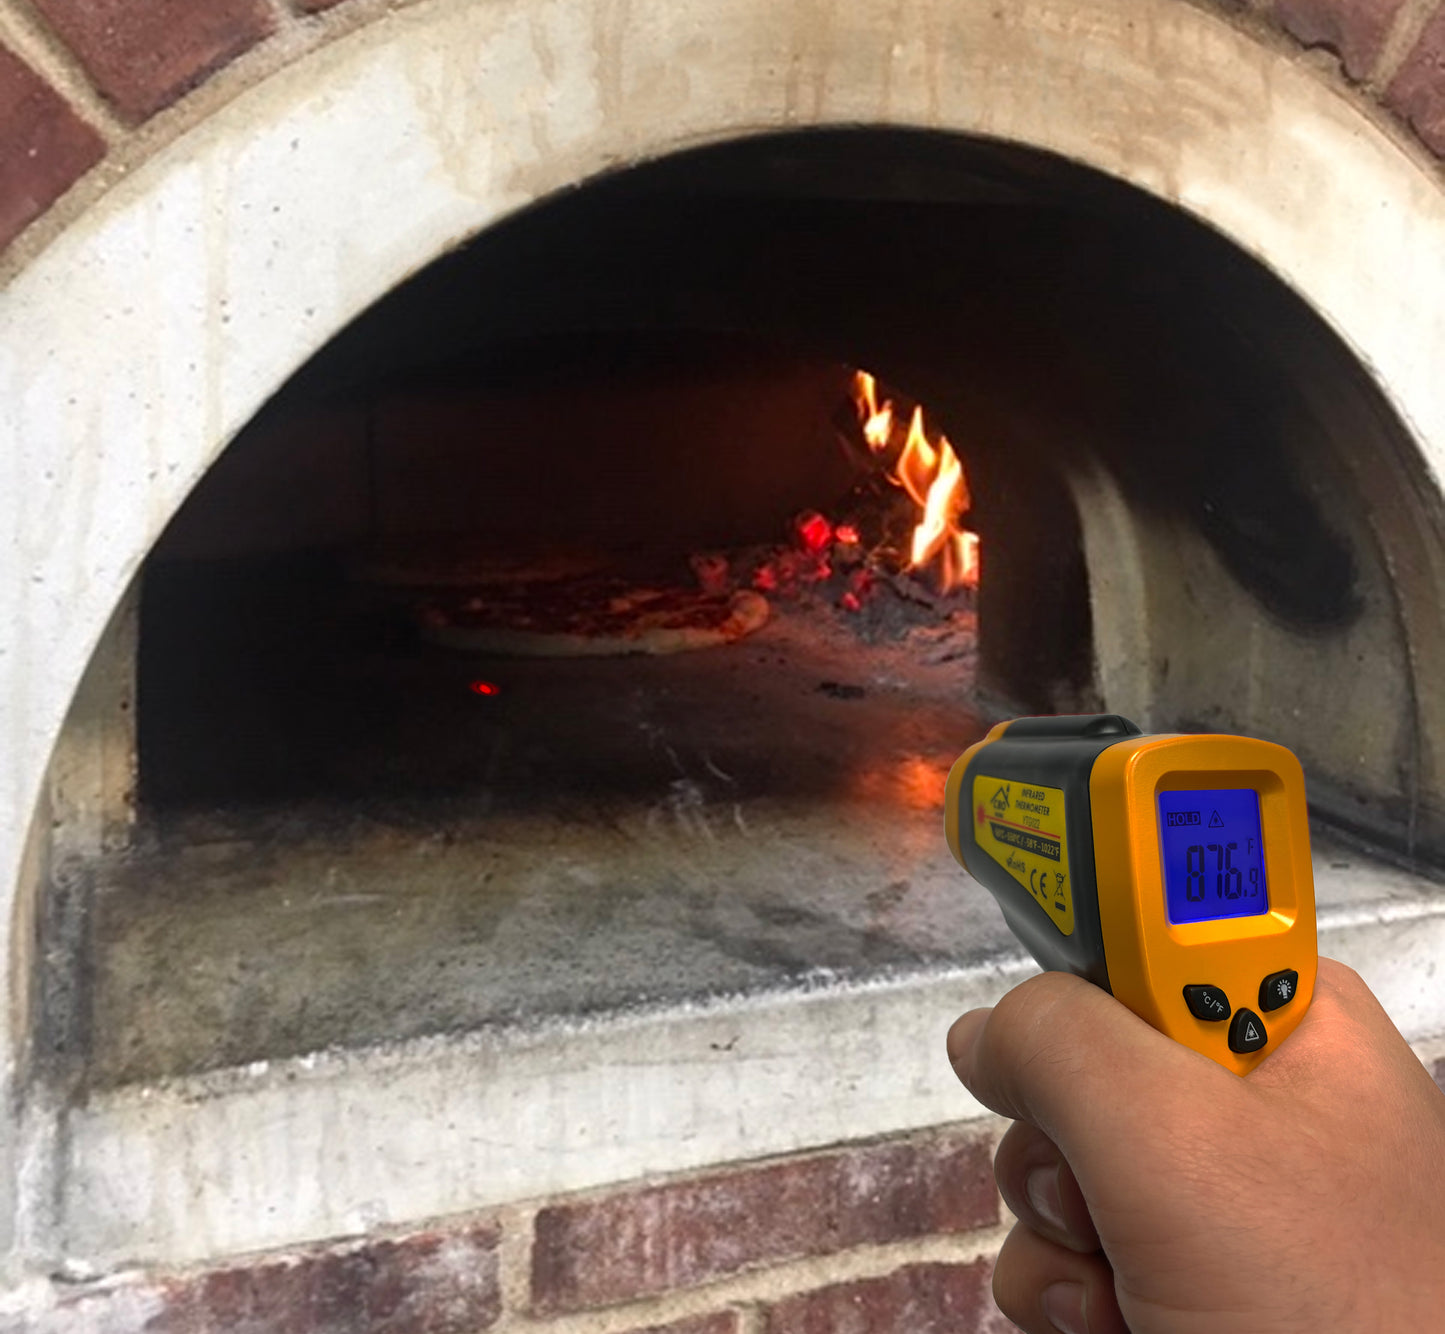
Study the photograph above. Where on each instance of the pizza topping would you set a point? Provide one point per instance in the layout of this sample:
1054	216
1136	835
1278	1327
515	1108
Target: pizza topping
591	617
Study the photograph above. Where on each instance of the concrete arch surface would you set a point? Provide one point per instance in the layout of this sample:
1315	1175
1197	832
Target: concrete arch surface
144	337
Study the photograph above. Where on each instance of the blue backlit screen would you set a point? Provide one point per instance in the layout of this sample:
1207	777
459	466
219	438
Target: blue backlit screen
1213	854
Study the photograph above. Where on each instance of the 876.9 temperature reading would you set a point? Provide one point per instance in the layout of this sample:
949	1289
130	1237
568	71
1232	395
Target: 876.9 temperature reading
1229	879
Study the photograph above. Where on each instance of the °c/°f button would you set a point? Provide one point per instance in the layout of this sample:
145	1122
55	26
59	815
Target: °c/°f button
1246	1033
1207	1003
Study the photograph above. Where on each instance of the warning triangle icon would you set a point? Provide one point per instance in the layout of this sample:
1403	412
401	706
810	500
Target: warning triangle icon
1251	1034
1215	822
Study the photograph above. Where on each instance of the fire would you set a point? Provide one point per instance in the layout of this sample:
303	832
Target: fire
928	468
877	422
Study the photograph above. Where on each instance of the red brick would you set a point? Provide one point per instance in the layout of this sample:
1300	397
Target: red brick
44	146
1417	92
1354	30
430	1283
143	54
922	1299
718	1322
650	1240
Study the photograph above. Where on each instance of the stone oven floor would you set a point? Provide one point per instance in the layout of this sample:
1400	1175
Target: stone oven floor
618	834
617	837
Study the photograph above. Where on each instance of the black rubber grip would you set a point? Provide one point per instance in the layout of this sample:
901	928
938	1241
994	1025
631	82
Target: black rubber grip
1073	725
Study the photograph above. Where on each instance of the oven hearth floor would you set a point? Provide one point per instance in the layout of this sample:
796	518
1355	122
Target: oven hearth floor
612	835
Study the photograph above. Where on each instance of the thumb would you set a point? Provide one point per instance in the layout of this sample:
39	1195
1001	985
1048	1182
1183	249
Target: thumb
1065	1056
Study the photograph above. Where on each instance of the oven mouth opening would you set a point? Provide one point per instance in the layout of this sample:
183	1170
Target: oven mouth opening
320	755
653	381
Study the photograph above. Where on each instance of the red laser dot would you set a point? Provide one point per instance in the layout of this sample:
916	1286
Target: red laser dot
980	815
484	688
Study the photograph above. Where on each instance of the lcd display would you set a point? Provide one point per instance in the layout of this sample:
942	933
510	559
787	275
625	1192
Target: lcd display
1213	854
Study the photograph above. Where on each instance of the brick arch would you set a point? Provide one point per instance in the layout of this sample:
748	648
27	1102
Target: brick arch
266	208
82	83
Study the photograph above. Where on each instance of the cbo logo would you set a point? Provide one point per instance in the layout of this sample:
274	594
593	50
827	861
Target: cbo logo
999	800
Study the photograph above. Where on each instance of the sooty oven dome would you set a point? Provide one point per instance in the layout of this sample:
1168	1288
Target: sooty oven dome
654	383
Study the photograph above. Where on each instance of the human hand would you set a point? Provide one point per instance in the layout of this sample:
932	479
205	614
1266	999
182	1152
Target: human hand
1306	1198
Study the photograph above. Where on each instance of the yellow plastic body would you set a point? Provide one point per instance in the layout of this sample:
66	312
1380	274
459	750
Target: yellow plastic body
1150	959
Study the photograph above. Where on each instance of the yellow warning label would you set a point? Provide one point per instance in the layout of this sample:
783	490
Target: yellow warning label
1022	828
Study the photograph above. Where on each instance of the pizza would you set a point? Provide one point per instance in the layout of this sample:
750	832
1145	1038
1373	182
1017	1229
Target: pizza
588	617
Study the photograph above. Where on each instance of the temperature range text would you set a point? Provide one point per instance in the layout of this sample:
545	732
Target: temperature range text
1026	840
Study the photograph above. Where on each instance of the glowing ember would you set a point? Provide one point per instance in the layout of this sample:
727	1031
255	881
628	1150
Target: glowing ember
815	532
929	470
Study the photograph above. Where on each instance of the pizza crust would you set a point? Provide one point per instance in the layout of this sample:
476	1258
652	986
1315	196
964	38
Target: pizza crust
642	620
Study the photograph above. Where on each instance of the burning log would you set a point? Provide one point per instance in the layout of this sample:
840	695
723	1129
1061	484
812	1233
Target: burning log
901	531
929	470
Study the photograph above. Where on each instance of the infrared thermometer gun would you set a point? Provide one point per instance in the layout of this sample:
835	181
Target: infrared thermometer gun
1173	871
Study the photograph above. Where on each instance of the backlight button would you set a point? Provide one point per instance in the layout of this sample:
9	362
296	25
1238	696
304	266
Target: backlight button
1206	1002
1278	989
1246	1033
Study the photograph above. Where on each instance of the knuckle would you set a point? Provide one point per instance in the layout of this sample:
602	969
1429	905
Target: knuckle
1339	976
1034	1005
1030	1041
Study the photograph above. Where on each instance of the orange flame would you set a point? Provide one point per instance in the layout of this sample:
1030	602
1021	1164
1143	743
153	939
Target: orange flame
877	421
932	474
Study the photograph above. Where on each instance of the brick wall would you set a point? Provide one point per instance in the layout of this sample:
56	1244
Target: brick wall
896	1235
82	80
